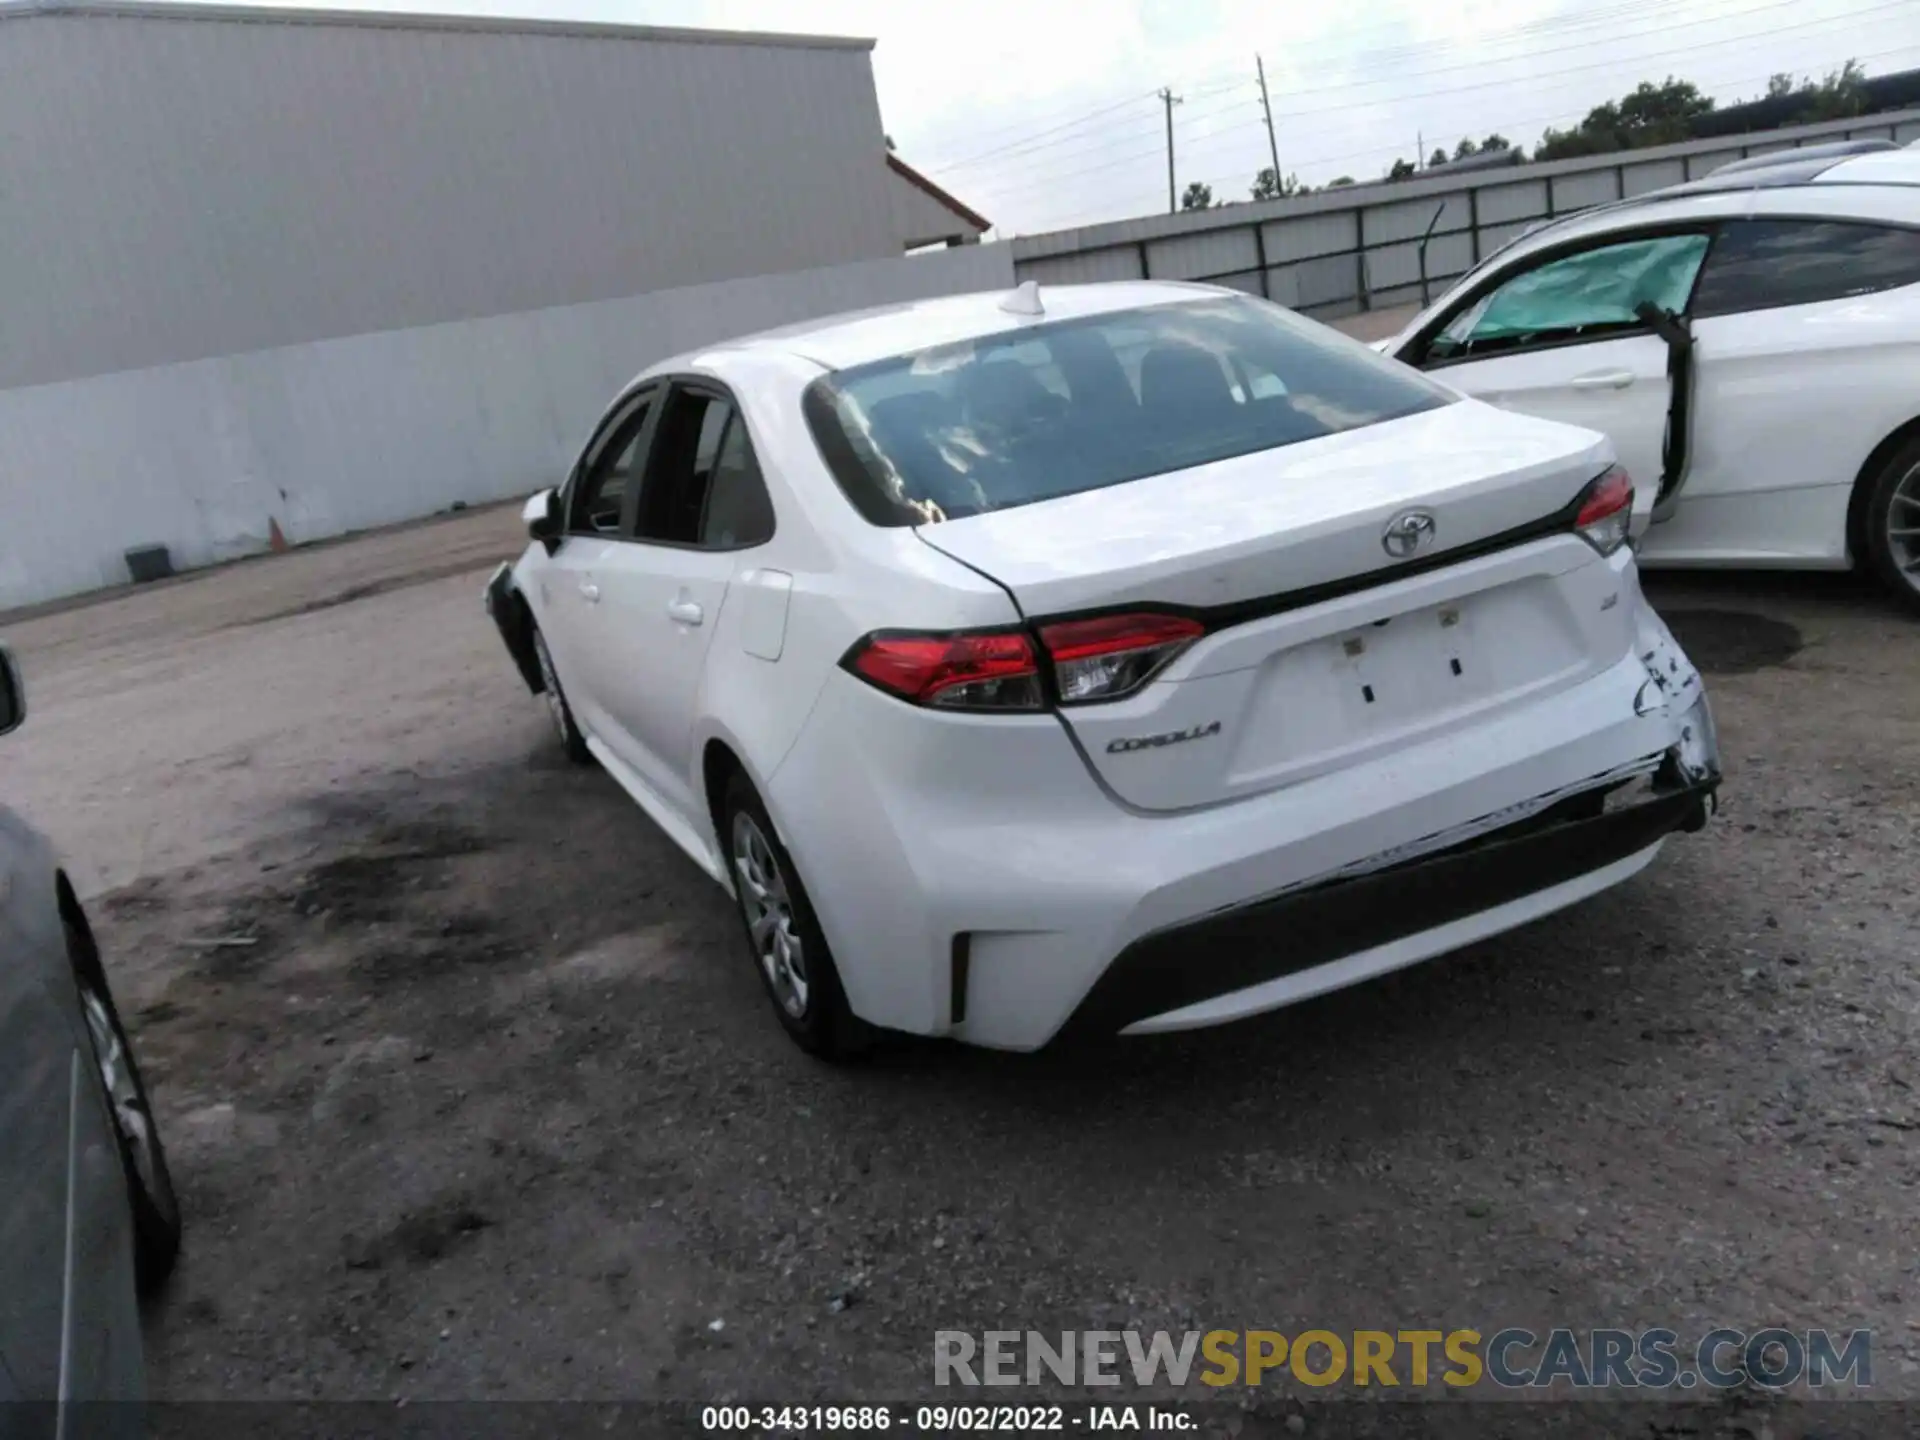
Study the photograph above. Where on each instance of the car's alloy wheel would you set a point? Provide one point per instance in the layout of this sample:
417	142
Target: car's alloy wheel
1902	521
143	1160
768	910
789	949
130	1117
1891	523
571	737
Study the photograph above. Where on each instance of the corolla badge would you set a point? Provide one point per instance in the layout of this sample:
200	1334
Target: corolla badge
1154	742
1408	533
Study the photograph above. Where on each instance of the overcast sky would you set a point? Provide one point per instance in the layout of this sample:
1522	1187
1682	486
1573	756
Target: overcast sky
997	99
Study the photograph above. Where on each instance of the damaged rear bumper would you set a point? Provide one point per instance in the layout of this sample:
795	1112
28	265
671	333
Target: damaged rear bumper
1333	933
1428	897
998	925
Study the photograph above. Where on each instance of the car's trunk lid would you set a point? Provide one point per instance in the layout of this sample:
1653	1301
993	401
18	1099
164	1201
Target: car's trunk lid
1324	643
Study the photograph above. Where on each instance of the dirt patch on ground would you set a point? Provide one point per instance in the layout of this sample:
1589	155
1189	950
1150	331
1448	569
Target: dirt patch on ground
1733	642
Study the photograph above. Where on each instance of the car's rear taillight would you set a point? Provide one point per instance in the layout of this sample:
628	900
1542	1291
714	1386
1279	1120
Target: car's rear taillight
1114	655
982	670
1102	658
1606	511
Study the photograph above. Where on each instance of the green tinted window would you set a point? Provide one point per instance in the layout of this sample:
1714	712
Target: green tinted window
1593	293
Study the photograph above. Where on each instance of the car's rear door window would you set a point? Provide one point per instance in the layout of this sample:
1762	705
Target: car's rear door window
738	513
1074	405
1761	264
703	485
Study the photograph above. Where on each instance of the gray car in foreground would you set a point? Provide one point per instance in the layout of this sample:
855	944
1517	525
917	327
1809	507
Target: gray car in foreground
88	1217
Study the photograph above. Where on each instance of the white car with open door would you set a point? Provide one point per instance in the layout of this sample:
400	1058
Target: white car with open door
1750	342
1127	658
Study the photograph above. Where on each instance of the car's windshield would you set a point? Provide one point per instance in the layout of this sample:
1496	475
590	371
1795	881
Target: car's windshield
1054	409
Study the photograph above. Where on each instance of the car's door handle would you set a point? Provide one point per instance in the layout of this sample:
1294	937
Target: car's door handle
591	591
1603	380
687	612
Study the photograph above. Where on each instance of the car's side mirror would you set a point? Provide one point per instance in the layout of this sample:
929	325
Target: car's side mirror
542	516
13	694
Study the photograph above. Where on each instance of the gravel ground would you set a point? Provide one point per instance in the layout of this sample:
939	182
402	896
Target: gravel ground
486	1103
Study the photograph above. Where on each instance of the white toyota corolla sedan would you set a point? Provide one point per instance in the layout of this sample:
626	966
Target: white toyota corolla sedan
1118	658
1750	342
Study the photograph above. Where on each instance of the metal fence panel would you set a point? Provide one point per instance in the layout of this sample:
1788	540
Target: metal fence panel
1447	256
1314	282
1699	165
1652	175
1408	219
1311	235
1522	201
1247	281
1492	237
1338	252
1212	252
1577	192
1118	262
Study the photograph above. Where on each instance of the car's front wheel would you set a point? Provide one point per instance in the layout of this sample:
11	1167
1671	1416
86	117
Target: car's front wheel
572	739
783	934
143	1160
1893	523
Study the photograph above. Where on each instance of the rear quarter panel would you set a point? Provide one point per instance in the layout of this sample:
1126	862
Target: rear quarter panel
834	575
59	1164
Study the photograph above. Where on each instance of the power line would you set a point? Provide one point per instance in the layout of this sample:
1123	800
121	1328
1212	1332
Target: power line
1615	64
947	165
1051	162
1080	218
1036	142
1089	144
1396	148
1530	55
943	166
1079	118
1608	20
1030	145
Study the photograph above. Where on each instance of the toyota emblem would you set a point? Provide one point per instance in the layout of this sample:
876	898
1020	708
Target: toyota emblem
1408	533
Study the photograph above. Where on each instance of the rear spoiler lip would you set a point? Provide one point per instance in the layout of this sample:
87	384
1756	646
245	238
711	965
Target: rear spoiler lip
1261	607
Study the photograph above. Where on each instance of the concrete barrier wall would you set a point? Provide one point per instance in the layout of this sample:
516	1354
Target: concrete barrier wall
319	439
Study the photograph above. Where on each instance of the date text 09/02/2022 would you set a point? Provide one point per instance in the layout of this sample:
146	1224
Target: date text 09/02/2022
942	1419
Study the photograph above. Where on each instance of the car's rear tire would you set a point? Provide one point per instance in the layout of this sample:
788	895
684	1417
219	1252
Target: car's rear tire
1892	524
154	1207
783	935
572	739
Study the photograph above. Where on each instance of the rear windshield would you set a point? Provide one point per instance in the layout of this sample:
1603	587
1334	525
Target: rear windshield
1055	409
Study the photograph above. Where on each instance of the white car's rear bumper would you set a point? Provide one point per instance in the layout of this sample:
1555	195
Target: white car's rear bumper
974	880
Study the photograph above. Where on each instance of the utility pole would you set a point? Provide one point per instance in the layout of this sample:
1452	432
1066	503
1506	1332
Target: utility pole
1419	151
1169	99
1273	146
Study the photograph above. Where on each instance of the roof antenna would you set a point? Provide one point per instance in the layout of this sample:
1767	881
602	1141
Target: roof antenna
1025	299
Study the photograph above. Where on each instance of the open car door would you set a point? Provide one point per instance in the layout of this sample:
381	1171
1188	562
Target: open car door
1593	337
